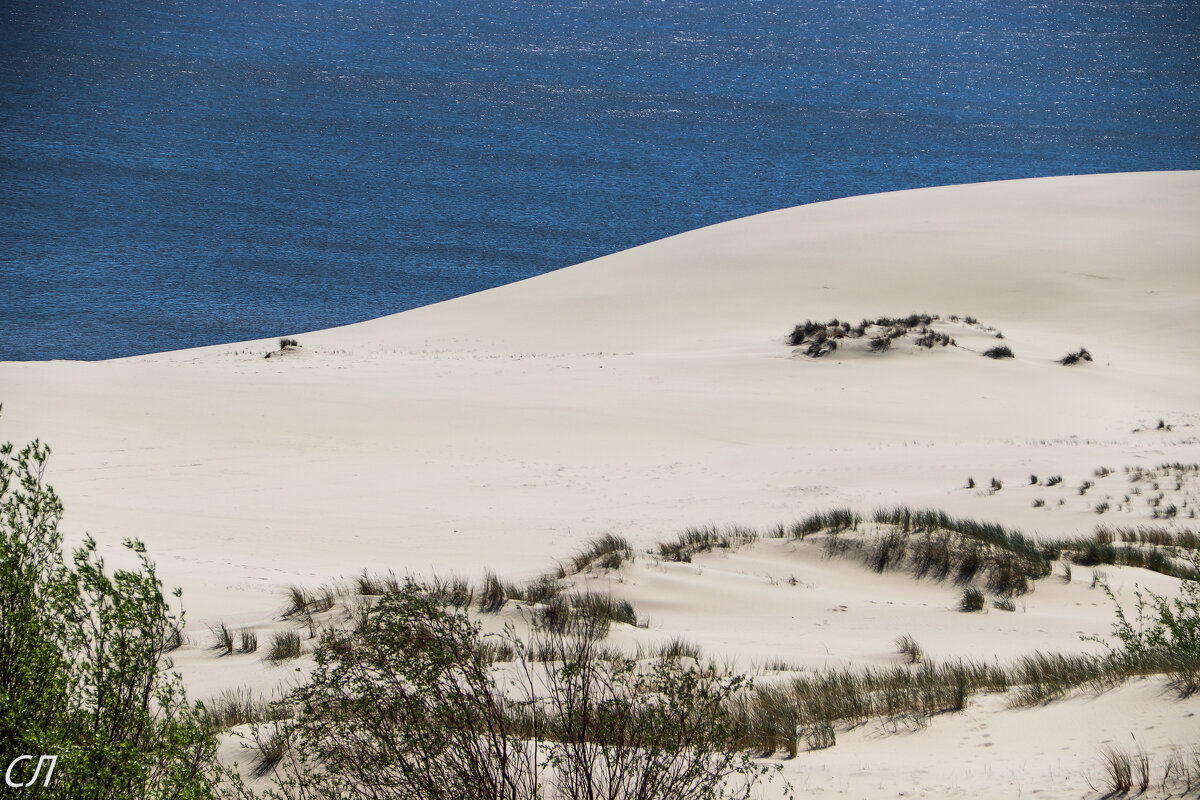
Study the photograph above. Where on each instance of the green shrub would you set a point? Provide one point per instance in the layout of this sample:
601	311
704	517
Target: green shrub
1160	626
1075	358
81	651
608	727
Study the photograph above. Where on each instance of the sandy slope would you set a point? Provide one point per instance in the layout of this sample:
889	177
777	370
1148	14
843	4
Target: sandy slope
650	390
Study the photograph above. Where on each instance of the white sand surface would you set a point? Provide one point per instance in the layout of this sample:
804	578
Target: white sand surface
652	389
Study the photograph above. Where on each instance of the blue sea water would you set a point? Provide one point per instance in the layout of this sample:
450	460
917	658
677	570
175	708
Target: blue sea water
185	172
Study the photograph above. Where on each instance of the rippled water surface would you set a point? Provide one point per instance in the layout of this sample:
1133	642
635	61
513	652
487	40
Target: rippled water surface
185	173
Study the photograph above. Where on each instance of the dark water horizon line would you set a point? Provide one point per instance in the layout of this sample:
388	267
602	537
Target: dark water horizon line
303	332
184	173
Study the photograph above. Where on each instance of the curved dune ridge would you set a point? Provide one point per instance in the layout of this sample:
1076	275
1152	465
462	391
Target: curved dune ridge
649	390
653	389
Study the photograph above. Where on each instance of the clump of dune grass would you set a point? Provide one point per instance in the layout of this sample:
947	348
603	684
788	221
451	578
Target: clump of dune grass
1042	677
300	600
907	646
1102	551
608	551
270	745
285	645
324	598
249	641
678	648
495	649
774	716
452	590
585	613
834	520
239	707
222	639
542	589
934	545
1150	535
705	539
369	584
1000	351
175	637
494	593
1181	771
1118	770
589	613
972	599
779	665
820	736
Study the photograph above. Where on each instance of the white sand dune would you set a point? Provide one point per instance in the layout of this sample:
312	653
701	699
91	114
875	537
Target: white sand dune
652	389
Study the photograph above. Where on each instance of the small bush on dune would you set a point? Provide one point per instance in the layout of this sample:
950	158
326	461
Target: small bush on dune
1160	625
607	726
1000	351
1075	358
82	659
286	344
821	338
